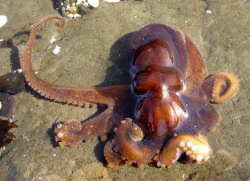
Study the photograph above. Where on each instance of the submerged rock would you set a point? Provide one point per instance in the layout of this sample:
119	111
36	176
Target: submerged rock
7	105
13	82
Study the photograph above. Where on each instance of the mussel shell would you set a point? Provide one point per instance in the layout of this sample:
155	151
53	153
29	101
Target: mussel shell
8	105
13	82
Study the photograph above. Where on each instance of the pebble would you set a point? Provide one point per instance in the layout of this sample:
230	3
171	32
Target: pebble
208	11
112	1
56	50
3	20
93	3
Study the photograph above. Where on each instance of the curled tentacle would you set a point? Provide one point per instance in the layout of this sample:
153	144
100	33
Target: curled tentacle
127	142
225	87
67	133
196	148
220	87
72	132
113	158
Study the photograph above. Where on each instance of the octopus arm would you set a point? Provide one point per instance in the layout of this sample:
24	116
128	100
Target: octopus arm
67	94
220	87
196	148
208	118
113	158
196	70
127	146
72	131
203	119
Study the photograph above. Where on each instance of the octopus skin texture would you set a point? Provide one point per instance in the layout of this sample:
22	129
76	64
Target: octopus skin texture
160	116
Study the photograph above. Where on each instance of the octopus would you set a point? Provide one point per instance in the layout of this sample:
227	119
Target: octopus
158	117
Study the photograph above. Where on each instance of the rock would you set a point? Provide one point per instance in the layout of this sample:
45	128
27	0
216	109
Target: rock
93	3
7	105
82	10
112	1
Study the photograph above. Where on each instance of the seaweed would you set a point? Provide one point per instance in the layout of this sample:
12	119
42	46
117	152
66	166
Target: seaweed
5	125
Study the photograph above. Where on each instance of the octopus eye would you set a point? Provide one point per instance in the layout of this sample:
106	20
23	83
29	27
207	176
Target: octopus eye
175	82
141	83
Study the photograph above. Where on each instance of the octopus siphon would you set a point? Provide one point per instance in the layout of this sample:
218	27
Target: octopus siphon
159	117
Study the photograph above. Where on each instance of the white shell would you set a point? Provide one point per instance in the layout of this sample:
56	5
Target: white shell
208	11
93	3
52	39
56	50
112	1
3	20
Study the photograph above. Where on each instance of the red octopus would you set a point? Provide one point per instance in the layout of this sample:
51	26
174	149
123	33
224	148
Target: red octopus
159	117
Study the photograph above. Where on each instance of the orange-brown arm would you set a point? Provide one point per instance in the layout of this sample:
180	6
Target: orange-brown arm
73	131
66	94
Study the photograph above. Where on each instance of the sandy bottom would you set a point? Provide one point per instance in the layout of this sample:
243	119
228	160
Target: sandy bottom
93	54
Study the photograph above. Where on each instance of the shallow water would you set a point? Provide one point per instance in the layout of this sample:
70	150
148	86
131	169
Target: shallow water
93	54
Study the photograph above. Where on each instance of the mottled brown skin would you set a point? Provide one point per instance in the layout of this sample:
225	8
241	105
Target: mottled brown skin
168	100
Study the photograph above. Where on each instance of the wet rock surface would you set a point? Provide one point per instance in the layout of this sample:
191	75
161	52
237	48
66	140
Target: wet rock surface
93	54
